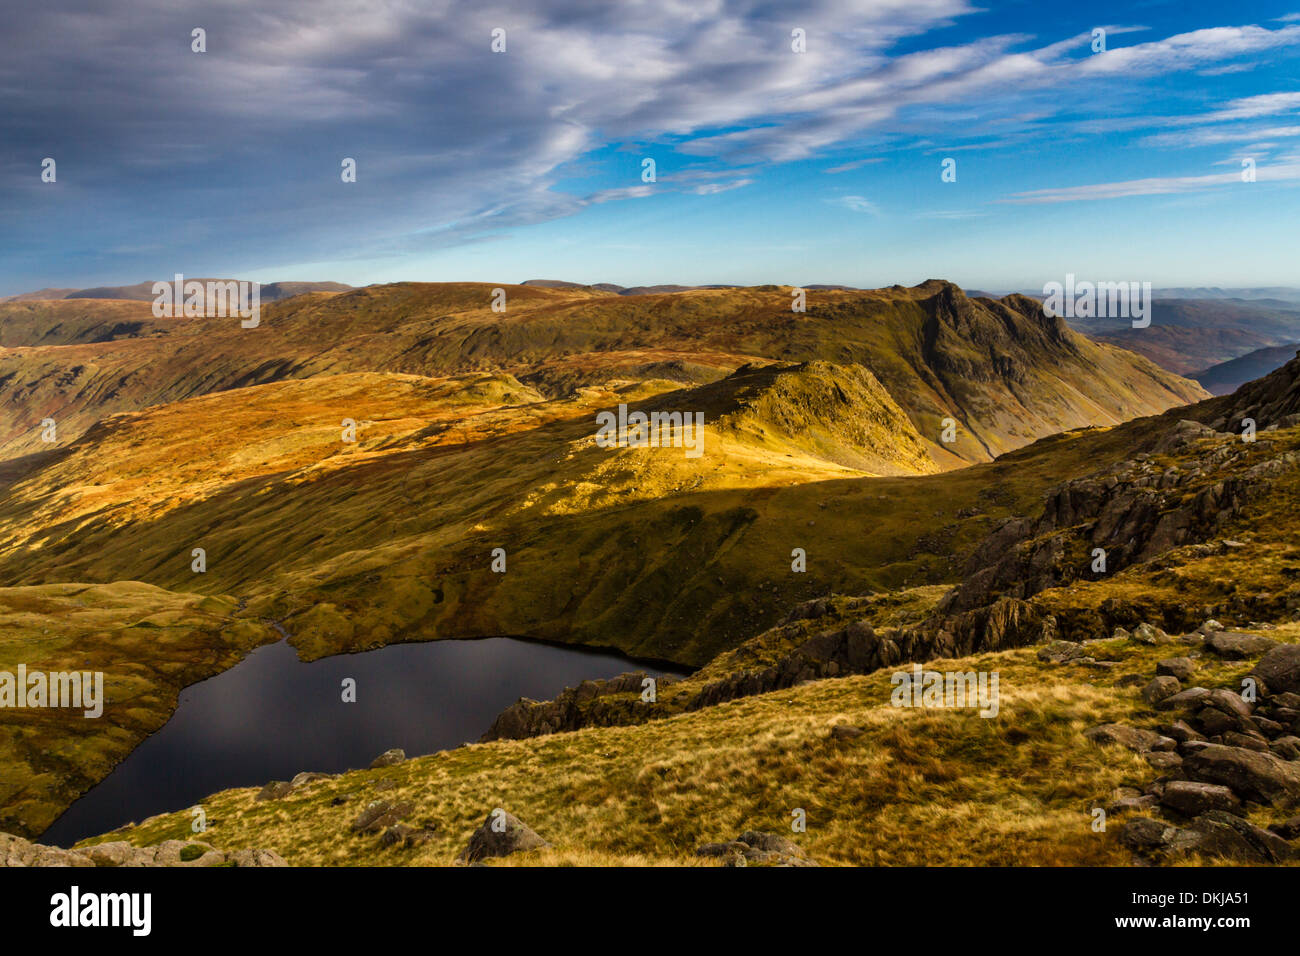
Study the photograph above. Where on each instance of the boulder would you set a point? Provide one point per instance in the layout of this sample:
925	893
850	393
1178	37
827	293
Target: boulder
1214	833
388	758
1260	777
1134	738
1146	634
407	837
1215	723
1287	829
1236	646
1221	834
1191	697
1163	761
1162	688
1125	799
1179	667
1145	834
1249	741
1267	727
1192	797
279	788
1288	747
1061	652
381	814
500	835
117	853
274	790
1229	702
1279	670
1181	731
302	779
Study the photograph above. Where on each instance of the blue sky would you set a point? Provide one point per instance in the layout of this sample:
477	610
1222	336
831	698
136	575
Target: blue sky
772	166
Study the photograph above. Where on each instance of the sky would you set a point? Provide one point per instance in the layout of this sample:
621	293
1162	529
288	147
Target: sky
1111	161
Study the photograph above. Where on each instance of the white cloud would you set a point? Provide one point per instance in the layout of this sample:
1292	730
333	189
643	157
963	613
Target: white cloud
856	204
711	189
1210	137
1155	186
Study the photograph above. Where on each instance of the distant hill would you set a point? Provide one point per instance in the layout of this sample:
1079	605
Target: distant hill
1275	294
1227	377
1188	335
659	289
143	291
1002	371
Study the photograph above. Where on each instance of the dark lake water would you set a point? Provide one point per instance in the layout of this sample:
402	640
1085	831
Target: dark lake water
272	716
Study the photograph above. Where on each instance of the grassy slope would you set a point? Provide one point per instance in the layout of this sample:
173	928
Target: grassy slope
149	644
934	787
356	545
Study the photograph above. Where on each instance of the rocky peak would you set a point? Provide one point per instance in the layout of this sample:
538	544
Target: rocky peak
1271	400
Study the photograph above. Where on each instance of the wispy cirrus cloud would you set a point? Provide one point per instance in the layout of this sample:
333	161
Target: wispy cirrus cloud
1155	186
856	204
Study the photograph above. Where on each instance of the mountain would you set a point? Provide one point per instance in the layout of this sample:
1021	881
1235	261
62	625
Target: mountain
475	429
1227	377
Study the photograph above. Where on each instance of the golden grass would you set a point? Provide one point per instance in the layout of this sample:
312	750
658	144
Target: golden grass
921	787
149	644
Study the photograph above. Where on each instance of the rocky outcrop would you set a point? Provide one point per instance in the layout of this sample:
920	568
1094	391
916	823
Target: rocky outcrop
852	648
1134	510
1253	775
758	848
1226	753
15	851
593	703
379	815
278	789
1214	833
1271	401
